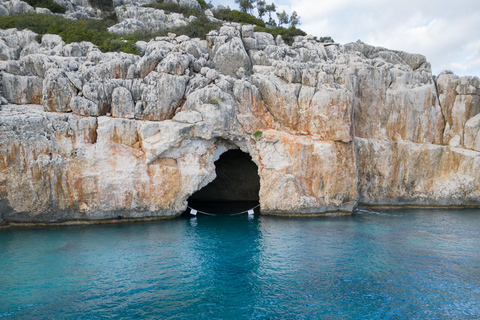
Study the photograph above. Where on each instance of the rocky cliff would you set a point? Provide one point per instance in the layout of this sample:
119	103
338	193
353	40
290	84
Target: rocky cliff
86	135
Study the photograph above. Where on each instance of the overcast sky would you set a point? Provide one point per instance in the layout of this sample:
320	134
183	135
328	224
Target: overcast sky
447	32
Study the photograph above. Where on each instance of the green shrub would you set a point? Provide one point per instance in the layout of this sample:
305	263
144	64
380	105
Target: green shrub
49	4
104	5
173	7
202	4
326	40
238	16
214	101
94	31
287	34
110	20
197	29
257	134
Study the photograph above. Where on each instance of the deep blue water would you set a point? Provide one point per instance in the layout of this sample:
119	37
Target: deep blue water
410	264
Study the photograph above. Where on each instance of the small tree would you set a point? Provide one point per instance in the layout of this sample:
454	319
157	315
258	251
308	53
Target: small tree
294	20
283	18
261	8
270	8
245	5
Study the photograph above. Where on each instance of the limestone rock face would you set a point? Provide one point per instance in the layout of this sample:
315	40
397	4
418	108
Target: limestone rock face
162	94
90	135
22	89
401	173
57	91
472	133
230	55
396	97
460	101
301	175
186	3
139	19
122	103
15	7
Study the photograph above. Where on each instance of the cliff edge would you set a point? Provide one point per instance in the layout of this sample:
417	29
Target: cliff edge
86	135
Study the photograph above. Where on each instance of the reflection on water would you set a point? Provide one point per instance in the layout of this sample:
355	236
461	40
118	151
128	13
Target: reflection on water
393	264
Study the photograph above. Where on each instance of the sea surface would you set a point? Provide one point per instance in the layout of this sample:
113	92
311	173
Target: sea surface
402	264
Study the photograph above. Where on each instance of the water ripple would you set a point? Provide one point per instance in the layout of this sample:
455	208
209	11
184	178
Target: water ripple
411	264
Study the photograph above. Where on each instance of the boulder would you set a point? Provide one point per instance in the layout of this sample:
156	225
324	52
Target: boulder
84	107
57	91
16	7
472	133
22	89
162	94
232	56
122	103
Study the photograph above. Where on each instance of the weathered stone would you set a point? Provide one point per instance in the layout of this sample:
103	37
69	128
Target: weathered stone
3	11
300	175
16	7
230	57
120	131
122	103
188	116
99	92
175	63
403	173
393	103
472	133
329	127
186	3
84	107
140	19
22	89
162	95
460	101
57	91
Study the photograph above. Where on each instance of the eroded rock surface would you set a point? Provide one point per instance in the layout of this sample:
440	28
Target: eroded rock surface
92	135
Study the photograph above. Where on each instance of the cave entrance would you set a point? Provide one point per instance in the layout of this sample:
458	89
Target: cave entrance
235	188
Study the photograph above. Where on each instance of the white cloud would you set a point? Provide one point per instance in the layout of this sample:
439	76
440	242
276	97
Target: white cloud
445	31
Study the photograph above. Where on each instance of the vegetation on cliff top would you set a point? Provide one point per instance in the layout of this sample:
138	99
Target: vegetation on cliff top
49	4
196	29
96	31
93	30
245	16
104	5
238	16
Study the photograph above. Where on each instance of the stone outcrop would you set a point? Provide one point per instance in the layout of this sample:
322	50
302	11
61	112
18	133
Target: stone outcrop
90	135
139	19
403	173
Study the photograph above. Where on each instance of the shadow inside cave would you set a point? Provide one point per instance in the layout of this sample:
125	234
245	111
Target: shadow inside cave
235	189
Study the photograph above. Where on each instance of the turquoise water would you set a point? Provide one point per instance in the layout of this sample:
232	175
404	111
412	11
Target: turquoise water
416	264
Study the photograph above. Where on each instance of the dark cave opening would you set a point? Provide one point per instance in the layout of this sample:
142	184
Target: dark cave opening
235	188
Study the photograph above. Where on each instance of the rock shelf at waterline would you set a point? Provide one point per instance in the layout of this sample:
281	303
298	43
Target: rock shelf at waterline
86	135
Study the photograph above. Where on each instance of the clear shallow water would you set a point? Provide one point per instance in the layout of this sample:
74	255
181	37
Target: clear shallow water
395	265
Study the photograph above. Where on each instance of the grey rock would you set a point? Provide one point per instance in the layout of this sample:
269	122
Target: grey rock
122	103
100	93
46	11
188	116
57	91
230	57
16	7
84	107
186	3
3	11
22	89
162	94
